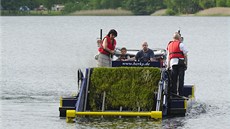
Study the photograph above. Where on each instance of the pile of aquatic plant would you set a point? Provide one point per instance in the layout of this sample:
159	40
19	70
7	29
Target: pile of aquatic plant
126	87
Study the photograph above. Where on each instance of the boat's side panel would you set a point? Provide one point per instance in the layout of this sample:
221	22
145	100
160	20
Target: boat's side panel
136	64
62	110
189	91
67	103
177	103
178	107
81	98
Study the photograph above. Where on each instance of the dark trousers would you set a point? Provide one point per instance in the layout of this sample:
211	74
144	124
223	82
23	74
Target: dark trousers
177	74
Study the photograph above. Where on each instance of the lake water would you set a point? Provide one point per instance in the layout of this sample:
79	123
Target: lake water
40	57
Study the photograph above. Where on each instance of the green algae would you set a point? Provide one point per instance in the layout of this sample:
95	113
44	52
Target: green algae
129	87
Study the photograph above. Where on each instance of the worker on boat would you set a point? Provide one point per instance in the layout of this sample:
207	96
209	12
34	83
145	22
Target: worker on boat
177	62
124	56
107	49
146	54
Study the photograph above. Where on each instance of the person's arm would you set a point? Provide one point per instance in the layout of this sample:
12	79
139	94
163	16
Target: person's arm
186	61
130	59
127	59
168	61
152	58
185	51
99	42
137	56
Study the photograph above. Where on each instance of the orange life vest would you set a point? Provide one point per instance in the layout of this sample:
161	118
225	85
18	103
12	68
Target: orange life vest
110	45
174	49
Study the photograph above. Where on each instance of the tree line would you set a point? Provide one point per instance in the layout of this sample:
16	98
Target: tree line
138	7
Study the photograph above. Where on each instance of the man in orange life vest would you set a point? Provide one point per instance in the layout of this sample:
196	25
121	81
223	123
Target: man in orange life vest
106	49
177	61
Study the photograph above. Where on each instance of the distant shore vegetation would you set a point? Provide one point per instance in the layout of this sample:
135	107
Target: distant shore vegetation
112	7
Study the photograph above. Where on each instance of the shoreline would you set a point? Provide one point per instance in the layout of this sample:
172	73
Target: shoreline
102	12
216	11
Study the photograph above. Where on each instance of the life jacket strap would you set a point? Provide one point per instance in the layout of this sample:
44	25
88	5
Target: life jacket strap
176	53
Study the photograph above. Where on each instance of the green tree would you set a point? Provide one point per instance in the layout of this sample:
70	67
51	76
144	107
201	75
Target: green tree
182	7
138	7
49	4
221	3
95	4
228	3
204	4
143	7
71	7
104	4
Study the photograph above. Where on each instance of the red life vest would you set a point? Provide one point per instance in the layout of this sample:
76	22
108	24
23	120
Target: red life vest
110	45
174	50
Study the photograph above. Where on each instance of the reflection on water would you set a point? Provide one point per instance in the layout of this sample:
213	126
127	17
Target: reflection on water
109	122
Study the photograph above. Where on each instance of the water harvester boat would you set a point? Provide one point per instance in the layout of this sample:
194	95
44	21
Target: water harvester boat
128	88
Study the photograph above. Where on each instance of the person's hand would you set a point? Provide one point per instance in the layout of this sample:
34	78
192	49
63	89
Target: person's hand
167	68
185	67
99	41
112	52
